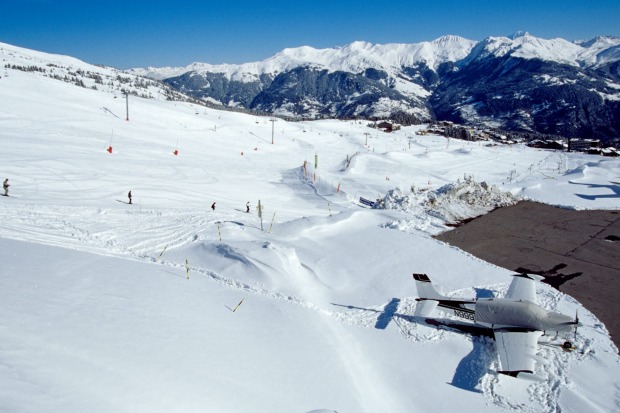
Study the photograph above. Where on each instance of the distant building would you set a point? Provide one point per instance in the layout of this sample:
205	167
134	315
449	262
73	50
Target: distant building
583	145
385	126
557	145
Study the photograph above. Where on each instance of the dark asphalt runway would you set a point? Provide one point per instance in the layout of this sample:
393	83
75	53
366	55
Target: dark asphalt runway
577	252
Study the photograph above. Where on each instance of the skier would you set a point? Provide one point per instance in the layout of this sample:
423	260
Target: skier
129	195
247	207
6	187
213	206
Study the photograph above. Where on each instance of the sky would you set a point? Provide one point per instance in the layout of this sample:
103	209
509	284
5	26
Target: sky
157	33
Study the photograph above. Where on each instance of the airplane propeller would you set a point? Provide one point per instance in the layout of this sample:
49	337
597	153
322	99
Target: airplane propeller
576	322
567	344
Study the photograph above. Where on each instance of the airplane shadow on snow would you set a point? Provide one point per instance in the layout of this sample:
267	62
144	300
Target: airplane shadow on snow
614	187
474	365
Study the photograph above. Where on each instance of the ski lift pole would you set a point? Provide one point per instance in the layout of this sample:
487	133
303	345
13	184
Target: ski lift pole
127	105
272	129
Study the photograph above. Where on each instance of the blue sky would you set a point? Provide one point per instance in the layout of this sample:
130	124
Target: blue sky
140	33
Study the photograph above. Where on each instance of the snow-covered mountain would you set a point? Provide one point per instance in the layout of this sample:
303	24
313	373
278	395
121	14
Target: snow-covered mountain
355	57
71	70
360	79
532	84
572	88
111	307
526	46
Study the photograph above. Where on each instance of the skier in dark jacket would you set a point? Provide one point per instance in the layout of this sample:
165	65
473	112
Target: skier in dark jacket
6	187
213	206
129	196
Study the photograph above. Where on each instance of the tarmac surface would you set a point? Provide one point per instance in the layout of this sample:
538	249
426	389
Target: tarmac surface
577	252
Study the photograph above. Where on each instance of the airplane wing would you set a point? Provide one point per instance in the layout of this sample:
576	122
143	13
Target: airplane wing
517	350
523	287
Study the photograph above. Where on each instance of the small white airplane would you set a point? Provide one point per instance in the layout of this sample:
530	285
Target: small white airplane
516	320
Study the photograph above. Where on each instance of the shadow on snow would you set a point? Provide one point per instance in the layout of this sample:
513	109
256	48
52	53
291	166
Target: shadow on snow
473	366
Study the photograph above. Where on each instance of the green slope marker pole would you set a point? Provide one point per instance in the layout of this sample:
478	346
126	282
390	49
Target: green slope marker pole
162	252
260	214
240	302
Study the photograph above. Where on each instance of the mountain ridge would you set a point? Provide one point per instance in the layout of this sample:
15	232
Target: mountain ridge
520	82
301	53
334	59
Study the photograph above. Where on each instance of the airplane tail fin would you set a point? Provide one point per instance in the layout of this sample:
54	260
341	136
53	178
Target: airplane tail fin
428	296
426	290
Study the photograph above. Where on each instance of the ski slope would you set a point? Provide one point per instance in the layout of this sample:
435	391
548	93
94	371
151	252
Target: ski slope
114	307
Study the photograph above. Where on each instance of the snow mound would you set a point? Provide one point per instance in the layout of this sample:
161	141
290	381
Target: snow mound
437	210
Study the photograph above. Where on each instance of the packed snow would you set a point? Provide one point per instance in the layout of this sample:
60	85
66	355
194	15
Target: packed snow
434	211
168	305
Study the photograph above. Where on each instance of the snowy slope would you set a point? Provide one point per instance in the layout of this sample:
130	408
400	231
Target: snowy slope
115	307
70	70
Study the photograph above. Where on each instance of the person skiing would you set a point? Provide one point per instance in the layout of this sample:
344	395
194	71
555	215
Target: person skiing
213	206
129	196
247	207
6	187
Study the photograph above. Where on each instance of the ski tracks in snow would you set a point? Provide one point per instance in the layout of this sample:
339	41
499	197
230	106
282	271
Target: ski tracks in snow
112	232
105	232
